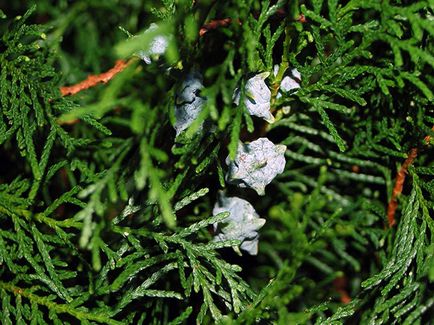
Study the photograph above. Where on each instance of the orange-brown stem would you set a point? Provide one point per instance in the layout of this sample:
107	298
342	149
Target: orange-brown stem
94	80
302	19
214	24
340	284
397	189
399	183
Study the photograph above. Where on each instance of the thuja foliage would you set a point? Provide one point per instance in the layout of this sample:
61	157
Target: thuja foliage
106	215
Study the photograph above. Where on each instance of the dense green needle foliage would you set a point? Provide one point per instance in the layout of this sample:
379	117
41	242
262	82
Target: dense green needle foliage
106	217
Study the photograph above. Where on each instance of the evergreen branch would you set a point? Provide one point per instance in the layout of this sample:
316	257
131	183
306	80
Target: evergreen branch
79	314
120	65
116	212
289	30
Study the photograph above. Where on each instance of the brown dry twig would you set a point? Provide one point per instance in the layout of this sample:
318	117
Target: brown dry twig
340	284
93	80
397	189
399	183
302	19
214	24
